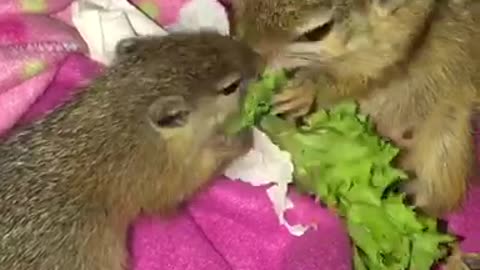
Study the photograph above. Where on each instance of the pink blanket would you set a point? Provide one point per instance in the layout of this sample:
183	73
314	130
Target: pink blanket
230	225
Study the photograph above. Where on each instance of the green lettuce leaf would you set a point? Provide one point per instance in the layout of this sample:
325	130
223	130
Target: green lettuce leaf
339	158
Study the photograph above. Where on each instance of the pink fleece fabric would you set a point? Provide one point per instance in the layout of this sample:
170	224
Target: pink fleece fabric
33	6
164	12
230	225
32	49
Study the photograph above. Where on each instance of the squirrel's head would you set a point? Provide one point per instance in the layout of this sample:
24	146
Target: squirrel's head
354	35
182	90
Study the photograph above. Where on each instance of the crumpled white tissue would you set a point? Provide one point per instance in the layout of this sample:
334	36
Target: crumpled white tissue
266	164
102	23
198	15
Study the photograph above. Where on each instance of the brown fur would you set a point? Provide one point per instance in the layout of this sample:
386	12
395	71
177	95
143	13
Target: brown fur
412	64
73	182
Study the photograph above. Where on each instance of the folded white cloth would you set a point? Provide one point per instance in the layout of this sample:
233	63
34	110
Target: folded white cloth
102	23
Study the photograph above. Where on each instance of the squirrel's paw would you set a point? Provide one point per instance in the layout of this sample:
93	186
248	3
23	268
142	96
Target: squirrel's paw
295	101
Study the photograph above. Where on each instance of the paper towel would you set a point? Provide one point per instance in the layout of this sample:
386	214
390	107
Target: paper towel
193	17
266	164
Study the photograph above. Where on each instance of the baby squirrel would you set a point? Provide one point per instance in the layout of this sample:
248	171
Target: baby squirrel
143	137
413	66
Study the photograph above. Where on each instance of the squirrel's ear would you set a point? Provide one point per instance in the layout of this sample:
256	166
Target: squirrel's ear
387	7
127	46
168	113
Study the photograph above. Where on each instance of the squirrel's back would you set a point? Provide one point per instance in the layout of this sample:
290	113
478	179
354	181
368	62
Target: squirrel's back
142	138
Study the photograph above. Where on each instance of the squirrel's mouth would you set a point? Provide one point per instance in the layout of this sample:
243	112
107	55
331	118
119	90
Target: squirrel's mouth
241	141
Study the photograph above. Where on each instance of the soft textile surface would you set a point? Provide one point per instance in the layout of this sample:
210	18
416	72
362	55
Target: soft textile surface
231	225
33	48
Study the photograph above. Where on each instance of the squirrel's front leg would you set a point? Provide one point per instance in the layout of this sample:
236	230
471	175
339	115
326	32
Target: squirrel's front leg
310	90
441	159
297	98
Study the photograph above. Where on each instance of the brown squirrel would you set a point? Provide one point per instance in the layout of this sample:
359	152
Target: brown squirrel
143	138
413	66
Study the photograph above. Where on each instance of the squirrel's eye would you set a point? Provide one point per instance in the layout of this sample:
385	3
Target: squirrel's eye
316	34
176	119
231	88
